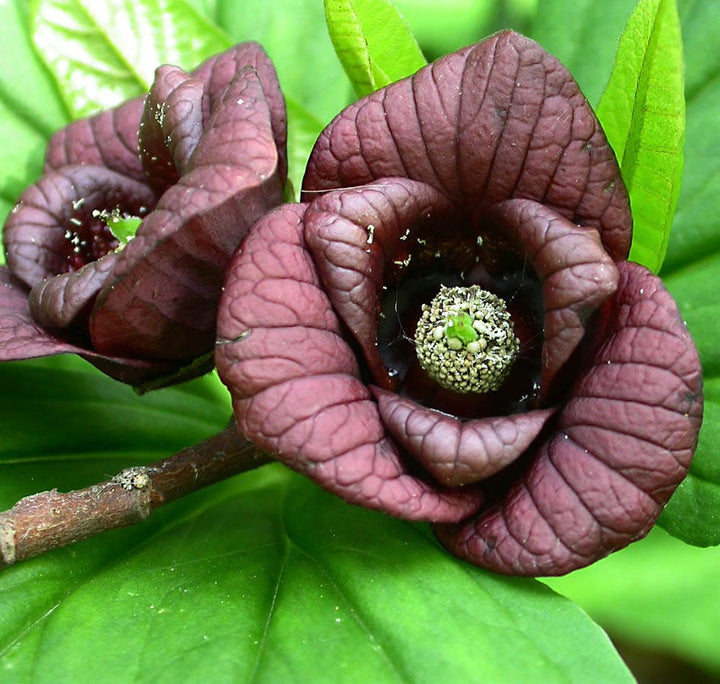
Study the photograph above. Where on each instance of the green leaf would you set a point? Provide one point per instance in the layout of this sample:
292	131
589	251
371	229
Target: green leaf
643	113
658	593
583	35
267	578
55	407
30	106
373	42
692	266
102	52
696	232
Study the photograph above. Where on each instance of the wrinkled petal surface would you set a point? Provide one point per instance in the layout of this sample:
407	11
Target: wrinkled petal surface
108	139
458	452
171	126
576	273
22	338
162	300
219	70
493	121
198	160
52	229
359	239
295	382
623	441
58	302
486	164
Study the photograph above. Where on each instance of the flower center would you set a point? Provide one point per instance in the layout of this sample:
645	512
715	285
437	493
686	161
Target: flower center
123	226
465	340
89	236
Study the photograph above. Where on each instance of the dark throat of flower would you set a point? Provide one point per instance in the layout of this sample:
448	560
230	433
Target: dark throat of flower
465	344
92	233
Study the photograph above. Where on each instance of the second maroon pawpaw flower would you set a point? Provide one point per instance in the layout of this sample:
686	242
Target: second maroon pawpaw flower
199	161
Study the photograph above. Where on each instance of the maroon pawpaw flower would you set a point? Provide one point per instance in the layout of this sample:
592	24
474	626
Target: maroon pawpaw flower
199	160
447	328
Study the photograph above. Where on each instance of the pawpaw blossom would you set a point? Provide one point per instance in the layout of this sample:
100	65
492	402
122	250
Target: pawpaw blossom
486	171
197	162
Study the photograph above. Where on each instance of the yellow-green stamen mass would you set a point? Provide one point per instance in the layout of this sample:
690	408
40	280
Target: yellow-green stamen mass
465	339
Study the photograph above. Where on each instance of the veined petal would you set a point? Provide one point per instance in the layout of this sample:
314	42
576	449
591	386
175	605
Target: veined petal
576	273
623	442
494	121
458	452
53	228
295	383
362	238
162	301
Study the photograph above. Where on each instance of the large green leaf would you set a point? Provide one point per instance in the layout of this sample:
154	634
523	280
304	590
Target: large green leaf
696	232
105	51
643	113
261	578
30	106
373	42
693	264
659	593
56	407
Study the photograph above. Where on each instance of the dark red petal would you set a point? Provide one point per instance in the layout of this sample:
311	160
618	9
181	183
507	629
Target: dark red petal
58	302
357	237
107	139
217	71
458	452
110	138
576	273
162	301
22	338
294	380
622	444
494	121
171	126
45	231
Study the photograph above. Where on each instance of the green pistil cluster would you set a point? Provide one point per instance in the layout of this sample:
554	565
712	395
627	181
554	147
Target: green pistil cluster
122	226
465	339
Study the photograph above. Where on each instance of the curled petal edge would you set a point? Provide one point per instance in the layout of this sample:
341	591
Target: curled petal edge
620	446
455	452
309	408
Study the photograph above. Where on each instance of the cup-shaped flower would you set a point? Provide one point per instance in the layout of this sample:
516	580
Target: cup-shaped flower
198	160
447	328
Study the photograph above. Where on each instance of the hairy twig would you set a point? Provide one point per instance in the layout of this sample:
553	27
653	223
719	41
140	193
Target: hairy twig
49	520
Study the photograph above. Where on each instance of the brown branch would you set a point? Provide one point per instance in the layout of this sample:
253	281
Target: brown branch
49	520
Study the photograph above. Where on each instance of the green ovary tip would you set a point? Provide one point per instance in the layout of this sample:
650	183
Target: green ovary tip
460	326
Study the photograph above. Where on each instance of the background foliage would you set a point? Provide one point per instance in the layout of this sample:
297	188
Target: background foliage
264	577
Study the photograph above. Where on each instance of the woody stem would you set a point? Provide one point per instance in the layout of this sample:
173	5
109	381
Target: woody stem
49	520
